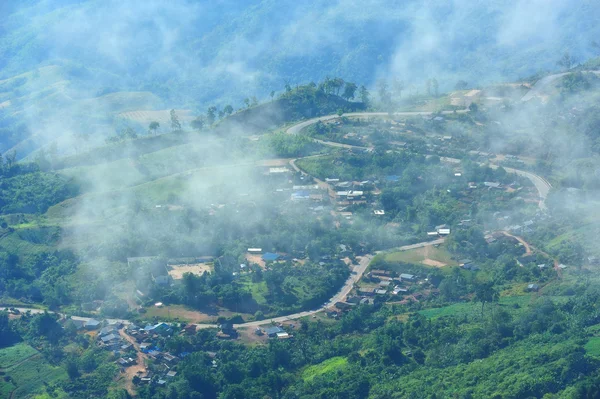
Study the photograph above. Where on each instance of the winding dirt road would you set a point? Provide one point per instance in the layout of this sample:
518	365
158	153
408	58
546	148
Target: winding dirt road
539	88
542	185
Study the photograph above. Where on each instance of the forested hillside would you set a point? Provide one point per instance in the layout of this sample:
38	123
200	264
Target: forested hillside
198	52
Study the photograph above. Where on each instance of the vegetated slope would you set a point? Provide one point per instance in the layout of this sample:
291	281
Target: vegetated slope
235	47
304	101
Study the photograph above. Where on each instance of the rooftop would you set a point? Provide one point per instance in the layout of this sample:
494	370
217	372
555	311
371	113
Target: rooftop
270	257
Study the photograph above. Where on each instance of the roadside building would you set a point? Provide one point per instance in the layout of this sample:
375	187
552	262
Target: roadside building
92	324
273	331
270	257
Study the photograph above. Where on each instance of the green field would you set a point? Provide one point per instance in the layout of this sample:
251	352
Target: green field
325	367
473	309
259	290
26	372
427	256
15	354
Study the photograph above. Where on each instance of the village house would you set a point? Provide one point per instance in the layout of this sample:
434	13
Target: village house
378	273
190	329
273	331
171	374
533	287
78	324
92	324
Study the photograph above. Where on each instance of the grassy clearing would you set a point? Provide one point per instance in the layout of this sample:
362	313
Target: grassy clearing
325	367
15	354
427	256
29	377
178	313
259	291
592	348
27	241
473	309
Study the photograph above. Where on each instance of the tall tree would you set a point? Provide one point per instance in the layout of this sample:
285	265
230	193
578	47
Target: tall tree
364	95
228	110
485	293
175	124
461	85
211	113
198	123
336	85
384	94
349	90
153	127
566	61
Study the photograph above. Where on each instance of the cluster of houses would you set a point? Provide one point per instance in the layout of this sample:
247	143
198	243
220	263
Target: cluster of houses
388	283
147	339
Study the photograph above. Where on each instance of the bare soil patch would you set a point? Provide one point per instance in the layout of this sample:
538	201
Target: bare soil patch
177	271
251	258
181	313
248	336
434	263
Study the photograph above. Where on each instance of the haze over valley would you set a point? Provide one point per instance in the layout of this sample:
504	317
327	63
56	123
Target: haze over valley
261	199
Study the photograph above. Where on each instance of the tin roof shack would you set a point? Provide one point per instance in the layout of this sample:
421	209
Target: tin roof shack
190	329
270	257
160	329
78	324
273	331
533	288
351	197
171	374
92	324
146	346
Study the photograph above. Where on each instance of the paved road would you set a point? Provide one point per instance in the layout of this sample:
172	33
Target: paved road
542	185
39	311
356	275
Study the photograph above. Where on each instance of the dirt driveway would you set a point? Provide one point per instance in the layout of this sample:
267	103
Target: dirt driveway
132	371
